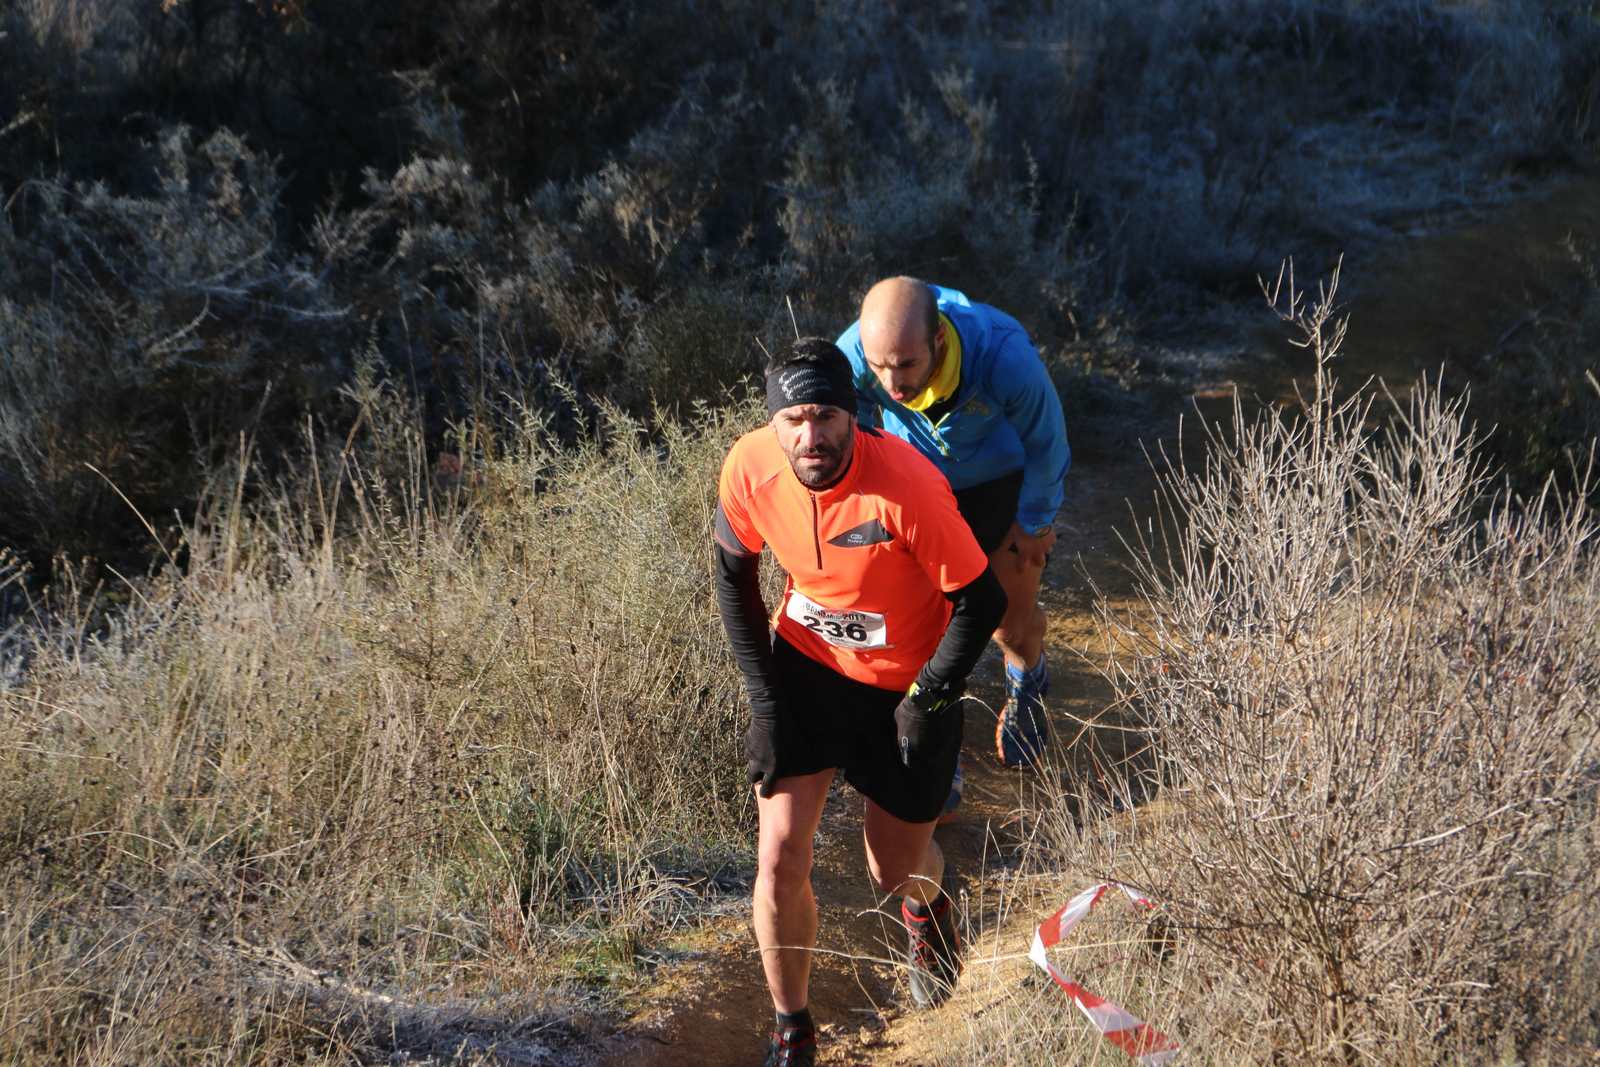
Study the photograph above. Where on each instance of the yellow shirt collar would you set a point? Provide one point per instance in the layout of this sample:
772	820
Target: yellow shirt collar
942	386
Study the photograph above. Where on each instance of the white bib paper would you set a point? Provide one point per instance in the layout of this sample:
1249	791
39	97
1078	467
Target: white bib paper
845	629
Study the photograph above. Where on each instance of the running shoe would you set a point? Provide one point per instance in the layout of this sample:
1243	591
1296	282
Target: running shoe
934	953
953	801
1022	732
792	1046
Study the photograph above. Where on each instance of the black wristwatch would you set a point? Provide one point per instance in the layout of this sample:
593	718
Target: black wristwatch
929	699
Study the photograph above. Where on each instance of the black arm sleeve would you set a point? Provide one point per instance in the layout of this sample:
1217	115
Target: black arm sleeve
979	606
744	616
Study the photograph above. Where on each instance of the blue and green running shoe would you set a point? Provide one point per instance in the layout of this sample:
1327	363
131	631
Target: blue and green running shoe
1022	732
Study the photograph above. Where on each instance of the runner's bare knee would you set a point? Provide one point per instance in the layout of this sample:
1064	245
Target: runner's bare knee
785	865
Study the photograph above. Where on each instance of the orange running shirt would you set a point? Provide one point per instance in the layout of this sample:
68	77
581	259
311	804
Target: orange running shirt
869	558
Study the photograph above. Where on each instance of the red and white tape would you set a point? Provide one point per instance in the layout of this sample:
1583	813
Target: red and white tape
1123	1029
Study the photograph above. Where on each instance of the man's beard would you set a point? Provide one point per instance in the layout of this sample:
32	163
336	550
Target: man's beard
819	477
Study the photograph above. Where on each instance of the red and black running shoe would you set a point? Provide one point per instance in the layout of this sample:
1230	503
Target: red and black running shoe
935	951
792	1046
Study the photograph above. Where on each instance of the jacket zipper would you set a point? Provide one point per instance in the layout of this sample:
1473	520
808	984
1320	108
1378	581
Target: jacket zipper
933	426
816	531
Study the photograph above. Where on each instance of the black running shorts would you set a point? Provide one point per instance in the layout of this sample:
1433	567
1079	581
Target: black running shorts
833	721
990	508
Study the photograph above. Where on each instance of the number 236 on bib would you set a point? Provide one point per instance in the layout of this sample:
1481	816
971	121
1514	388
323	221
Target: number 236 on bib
844	629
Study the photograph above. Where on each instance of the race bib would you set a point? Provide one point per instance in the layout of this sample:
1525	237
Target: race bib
845	629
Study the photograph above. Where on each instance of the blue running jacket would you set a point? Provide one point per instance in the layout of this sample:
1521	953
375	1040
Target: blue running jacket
1007	415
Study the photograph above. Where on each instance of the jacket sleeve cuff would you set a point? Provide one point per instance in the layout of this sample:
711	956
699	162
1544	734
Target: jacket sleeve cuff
1031	518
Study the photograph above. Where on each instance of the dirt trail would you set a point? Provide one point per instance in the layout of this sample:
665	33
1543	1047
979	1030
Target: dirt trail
714	1009
1425	298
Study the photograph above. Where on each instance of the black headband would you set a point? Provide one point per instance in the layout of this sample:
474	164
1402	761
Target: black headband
822	382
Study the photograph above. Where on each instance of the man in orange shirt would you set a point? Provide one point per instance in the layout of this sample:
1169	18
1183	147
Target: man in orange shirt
889	603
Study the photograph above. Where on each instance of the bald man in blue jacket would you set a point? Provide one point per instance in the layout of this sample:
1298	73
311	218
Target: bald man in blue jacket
962	382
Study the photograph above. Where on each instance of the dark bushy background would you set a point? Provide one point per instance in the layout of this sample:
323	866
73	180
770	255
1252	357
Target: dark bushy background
216	211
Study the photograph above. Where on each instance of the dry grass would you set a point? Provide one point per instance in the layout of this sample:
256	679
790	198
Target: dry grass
425	752
1371	689
1012	1012
1377	702
477	742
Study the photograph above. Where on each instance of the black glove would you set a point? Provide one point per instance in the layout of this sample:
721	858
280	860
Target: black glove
761	747
924	717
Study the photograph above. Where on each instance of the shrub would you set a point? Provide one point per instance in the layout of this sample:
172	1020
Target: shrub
1377	710
489	727
144	336
446	219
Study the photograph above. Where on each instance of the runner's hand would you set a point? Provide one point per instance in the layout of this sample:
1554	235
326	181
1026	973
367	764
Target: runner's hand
922	717
1031	550
761	748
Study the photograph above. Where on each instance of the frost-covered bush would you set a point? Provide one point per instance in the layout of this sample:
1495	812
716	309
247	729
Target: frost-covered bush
145	335
554	206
